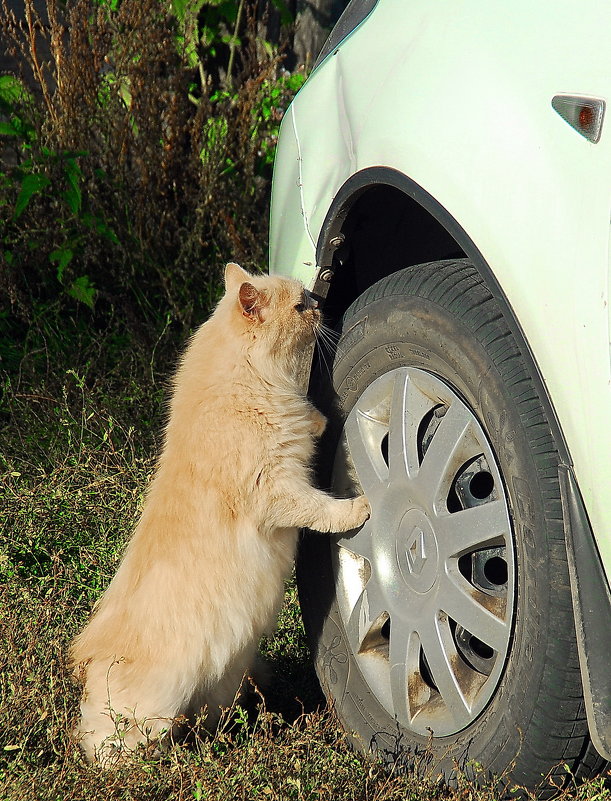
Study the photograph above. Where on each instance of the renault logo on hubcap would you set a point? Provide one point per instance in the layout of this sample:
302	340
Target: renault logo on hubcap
416	553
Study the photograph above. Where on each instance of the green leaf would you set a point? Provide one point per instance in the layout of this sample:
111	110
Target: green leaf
8	129
83	290
296	81
285	13
230	40
267	46
215	134
178	8
188	44
111	5
207	35
186	8
99	226
186	12
73	195
62	257
107	233
31	185
227	8
219	95
12	91
13	98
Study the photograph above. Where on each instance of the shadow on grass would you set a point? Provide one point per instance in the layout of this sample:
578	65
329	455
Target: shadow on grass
292	688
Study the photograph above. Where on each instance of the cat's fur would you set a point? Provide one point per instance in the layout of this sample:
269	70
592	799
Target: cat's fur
202	577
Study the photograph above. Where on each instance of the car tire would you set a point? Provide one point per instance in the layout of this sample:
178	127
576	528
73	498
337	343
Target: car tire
442	631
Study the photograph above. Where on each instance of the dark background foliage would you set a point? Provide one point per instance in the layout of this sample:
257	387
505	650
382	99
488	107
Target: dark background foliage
137	141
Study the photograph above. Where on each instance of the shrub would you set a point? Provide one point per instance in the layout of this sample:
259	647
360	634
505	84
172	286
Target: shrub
136	160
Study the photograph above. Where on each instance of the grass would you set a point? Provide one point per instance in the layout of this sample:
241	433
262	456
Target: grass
77	455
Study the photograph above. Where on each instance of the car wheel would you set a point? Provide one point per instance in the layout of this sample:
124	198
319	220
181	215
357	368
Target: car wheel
443	628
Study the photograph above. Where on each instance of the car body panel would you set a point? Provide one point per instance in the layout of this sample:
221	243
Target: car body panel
473	126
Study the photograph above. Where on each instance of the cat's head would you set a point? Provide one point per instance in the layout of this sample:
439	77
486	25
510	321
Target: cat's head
278	312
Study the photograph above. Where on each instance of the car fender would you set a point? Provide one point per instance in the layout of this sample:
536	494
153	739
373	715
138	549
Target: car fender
537	207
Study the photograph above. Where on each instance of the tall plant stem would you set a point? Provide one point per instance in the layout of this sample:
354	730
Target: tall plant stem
31	18
232	45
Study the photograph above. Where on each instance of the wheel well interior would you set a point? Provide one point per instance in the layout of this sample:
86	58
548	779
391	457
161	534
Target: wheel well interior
385	230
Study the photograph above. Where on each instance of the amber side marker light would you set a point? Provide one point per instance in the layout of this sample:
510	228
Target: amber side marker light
584	114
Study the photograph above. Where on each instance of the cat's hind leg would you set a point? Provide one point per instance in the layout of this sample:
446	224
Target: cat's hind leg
212	703
124	707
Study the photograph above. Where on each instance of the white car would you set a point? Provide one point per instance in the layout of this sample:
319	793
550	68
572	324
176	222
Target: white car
443	187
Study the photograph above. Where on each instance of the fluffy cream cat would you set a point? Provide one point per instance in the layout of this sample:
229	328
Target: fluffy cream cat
202	577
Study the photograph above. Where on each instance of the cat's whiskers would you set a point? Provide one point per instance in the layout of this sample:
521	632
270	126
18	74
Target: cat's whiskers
328	334
326	343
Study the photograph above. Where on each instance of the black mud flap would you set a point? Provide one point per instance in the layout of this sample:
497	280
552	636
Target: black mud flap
592	610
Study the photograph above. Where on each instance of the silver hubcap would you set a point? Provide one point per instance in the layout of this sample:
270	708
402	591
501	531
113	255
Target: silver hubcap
425	587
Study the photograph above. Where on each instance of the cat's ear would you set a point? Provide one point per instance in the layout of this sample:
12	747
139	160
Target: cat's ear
234	276
251	300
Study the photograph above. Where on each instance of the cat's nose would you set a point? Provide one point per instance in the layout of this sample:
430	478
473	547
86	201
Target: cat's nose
312	301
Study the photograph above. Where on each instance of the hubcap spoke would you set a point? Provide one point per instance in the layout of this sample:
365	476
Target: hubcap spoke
399	653
409	405
479	613
360	542
364	435
469	529
404	648
447	451
367	612
441	654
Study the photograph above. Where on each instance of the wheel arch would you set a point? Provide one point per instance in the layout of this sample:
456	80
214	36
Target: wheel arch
381	221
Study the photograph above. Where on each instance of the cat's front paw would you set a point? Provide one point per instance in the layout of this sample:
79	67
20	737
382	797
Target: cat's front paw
361	511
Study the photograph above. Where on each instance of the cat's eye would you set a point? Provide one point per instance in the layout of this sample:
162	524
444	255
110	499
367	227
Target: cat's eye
300	307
